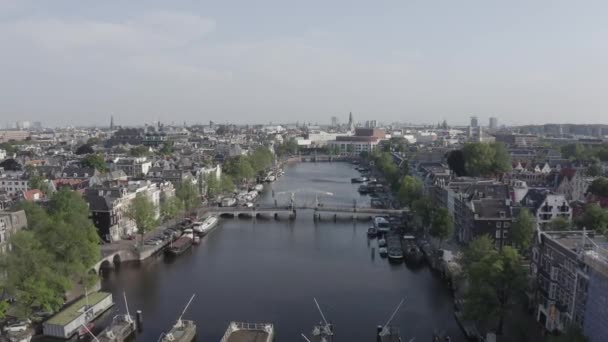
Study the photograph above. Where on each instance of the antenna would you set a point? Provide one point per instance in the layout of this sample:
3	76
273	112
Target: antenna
393	315
320	311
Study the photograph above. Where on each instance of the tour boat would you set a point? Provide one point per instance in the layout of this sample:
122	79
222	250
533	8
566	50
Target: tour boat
203	228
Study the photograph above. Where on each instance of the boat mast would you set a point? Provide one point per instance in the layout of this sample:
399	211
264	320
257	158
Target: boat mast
392	316
305	338
321	312
89	331
124	294
179	320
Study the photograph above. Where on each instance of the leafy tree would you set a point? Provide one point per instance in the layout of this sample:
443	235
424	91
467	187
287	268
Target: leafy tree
397	144
456	162
595	169
385	163
594	217
573	151
166	149
93	141
139	151
212	185
289	147
170	208
559	224
409	190
226	184
423	210
36	181
486	159
239	168
143	211
9	148
4	306
95	161
31	275
476	250
442	225
599	187
522	230
495	278
188	194
84	149
11	164
261	159
501	161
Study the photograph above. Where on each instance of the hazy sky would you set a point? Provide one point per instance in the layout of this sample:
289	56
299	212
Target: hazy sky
278	60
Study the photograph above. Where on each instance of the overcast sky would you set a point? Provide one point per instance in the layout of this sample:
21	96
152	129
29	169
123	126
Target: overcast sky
78	62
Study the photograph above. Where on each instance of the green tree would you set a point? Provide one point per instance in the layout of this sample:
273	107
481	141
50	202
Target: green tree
188	194
560	224
212	185
226	184
495	278
574	151
486	159
84	149
501	161
522	230
442	225
95	161
261	159
143	211
36	181
456	162
599	187
350	148
289	147
4	306
409	190
9	148
32	277
423	211
139	151
594	217
166	149
476	250
170	208
595	169
93	141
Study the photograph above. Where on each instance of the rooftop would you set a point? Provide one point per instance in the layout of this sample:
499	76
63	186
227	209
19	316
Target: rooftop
76	309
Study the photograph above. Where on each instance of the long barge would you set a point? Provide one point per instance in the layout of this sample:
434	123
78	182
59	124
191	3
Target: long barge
179	246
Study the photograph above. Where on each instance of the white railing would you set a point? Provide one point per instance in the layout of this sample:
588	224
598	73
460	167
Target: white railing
236	326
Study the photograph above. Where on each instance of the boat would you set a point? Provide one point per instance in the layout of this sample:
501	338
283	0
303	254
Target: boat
372	232
121	328
258	187
205	227
412	251
271	178
243	331
363	189
383	251
358	180
183	330
324	331
381	224
196	240
179	246
228	202
381	242
395	252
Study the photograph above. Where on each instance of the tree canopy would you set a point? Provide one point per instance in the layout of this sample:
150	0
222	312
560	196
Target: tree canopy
143	211
442	225
409	190
96	161
139	151
84	149
594	218
560	224
456	162
287	148
522	230
599	187
495	278
58	249
188	194
170	208
486	159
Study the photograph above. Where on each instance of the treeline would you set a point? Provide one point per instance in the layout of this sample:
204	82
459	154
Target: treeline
245	168
58	250
579	152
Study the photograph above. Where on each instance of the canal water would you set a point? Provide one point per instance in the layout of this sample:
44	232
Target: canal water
269	271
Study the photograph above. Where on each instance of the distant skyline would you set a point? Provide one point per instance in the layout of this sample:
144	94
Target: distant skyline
524	62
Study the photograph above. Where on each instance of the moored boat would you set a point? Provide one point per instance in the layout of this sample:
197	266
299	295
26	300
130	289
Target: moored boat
240	331
372	232
324	331
179	246
383	251
121	328
395	253
381	224
205	227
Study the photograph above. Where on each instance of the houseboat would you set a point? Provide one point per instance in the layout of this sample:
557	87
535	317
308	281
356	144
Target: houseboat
179	246
69	321
395	252
381	224
412	252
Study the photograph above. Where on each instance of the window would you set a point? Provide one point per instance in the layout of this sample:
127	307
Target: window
498	224
497	234
506	224
552	291
554	273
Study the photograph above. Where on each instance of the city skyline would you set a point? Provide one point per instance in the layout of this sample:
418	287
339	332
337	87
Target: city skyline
67	63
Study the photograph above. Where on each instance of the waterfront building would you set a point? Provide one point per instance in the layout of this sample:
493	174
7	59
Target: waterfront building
570	277
364	140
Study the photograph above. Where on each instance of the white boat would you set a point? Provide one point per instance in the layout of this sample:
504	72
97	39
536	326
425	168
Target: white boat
381	243
271	178
258	187
228	202
381	224
189	233
203	228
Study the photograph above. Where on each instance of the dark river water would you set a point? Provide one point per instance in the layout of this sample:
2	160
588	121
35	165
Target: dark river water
269	271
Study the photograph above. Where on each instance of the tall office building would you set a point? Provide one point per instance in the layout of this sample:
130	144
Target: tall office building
493	123
474	121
